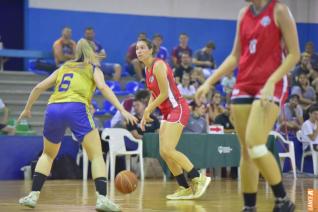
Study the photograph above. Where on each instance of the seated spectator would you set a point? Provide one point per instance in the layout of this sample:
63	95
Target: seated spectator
303	67
134	66
215	108
310	49
228	83
291	117
139	108
186	89
185	67
4	128
306	93
197	123
110	69
162	52
309	128
203	59
118	120
225	119
64	47
180	49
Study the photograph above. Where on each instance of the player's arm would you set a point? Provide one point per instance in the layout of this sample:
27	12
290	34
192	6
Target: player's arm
160	72
286	23
36	92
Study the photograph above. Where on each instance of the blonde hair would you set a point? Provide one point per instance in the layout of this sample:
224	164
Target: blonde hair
84	52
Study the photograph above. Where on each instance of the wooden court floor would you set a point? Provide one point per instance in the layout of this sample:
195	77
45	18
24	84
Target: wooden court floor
76	195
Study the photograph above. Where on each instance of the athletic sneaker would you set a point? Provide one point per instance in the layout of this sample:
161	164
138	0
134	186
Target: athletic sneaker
181	193
284	205
30	200
249	209
199	185
105	204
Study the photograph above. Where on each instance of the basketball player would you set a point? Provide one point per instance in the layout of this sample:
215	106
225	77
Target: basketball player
175	110
68	106
261	85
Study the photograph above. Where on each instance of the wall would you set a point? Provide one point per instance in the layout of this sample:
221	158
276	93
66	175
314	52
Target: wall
117	23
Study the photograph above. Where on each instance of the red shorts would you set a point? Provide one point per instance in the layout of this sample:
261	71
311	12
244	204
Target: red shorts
179	114
246	94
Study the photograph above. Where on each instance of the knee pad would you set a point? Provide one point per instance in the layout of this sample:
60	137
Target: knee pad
257	151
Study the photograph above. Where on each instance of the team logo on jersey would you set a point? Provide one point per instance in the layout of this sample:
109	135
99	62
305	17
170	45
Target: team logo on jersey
265	21
151	79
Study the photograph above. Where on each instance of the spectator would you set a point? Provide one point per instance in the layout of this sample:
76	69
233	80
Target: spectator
4	128
225	119
110	69
303	67
134	66
197	123
203	58
309	129
291	117
228	83
64	47
186	89
184	67
215	108
162	52
310	49
139	108
180	49
306	93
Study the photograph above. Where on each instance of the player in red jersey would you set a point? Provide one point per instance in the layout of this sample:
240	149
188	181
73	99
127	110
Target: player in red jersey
175	110
263	27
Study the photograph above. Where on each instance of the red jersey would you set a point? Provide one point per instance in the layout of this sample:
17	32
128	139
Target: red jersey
174	99
261	48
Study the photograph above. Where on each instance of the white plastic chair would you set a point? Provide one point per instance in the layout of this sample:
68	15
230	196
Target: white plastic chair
291	150
115	138
311	152
82	153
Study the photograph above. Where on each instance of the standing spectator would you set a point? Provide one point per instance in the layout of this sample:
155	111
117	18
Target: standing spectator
4	128
64	47
186	89
228	83
203	58
162	52
110	69
309	129
197	123
306	93
180	49
134	66
303	67
291	117
215	108
310	49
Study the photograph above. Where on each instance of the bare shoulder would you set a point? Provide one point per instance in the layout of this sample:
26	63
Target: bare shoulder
281	9
159	65
242	12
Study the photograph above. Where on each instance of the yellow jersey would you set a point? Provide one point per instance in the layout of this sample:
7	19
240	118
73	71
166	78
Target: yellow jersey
74	83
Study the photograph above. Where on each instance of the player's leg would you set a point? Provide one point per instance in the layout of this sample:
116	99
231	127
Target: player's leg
42	170
248	170
260	123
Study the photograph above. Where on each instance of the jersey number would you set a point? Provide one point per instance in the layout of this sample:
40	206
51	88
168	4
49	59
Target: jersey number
66	82
252	46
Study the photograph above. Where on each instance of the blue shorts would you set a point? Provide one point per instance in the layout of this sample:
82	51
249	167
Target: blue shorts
73	115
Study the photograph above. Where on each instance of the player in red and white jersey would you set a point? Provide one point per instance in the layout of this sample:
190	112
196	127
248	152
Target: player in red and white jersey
175	110
263	27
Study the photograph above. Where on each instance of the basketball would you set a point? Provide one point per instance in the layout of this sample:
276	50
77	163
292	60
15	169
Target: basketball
126	182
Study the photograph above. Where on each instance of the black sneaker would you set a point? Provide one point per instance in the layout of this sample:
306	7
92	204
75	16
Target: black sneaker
249	209
284	206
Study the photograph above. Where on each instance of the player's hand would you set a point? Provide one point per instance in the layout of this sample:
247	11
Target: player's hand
146	115
129	117
202	92
24	114
267	93
143	124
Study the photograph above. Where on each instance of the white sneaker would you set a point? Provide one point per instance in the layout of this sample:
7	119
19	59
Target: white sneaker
199	185
105	204
181	193
30	200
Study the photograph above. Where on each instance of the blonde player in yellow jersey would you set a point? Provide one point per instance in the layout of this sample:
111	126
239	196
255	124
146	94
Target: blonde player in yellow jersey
68	107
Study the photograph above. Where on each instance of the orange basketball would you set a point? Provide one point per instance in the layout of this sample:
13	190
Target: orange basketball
126	182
